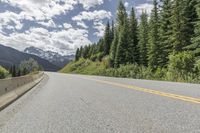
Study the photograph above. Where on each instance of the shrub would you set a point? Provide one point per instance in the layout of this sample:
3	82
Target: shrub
160	73
100	56
180	66
3	73
183	61
93	58
197	67
29	66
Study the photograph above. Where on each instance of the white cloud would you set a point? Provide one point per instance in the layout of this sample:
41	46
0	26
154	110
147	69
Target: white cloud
144	7
10	19
100	27
49	23
82	24
67	26
46	9
63	41
96	17
126	4
42	9
87	4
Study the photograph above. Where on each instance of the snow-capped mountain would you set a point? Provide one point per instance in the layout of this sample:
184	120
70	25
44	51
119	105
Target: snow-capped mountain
10	56
53	57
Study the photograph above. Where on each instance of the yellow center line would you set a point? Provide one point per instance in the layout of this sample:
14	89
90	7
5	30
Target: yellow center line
155	92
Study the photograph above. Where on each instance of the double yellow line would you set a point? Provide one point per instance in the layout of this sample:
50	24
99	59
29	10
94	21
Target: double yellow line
155	92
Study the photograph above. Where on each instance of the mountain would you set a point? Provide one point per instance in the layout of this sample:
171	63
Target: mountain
53	57
10	56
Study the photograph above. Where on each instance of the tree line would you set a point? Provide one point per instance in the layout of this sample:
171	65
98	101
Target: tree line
24	68
168	37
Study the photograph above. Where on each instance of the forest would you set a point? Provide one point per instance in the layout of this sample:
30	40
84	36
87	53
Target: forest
164	45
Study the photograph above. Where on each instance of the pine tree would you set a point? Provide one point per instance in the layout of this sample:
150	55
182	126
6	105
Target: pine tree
112	32
123	43
123	36
100	45
19	73
91	50
14	71
107	40
81	52
195	47
77	55
24	72
133	49
11	70
143	38
113	49
165	32
121	14
191	17
154	48
85	52
179	37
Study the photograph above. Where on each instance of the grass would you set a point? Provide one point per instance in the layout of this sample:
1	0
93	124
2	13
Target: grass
88	67
84	67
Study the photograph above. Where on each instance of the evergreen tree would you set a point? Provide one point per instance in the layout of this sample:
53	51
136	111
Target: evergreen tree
11	70
195	47
77	55
191	17
179	37
165	32
14	71
107	40
81	52
91	50
123	35
113	49
19	73
25	71
133	49
123	43
121	14
100	45
112	32
86	51
154	48
143	38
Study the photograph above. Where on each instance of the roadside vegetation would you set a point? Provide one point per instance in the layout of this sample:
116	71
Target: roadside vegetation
3	73
162	46
26	67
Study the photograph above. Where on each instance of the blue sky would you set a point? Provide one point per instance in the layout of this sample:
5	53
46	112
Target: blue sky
58	25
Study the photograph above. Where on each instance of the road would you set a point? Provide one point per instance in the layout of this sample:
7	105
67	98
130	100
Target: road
64	103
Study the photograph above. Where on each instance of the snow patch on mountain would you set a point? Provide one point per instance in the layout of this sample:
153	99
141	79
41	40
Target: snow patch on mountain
53	57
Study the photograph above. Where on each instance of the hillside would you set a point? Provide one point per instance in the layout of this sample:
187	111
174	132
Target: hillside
152	48
85	67
10	56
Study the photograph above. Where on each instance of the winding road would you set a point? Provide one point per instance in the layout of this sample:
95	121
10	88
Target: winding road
64	103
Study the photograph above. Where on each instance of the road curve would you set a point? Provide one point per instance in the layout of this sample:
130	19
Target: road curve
64	103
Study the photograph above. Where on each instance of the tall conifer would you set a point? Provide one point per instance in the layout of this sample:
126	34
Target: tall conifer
133	49
143	38
154	44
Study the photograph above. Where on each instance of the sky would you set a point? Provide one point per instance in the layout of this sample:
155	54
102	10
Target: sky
58	25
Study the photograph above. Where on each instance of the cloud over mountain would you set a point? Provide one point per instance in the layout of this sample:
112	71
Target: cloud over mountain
55	25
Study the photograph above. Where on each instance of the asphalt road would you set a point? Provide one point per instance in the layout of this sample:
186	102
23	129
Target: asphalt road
64	103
